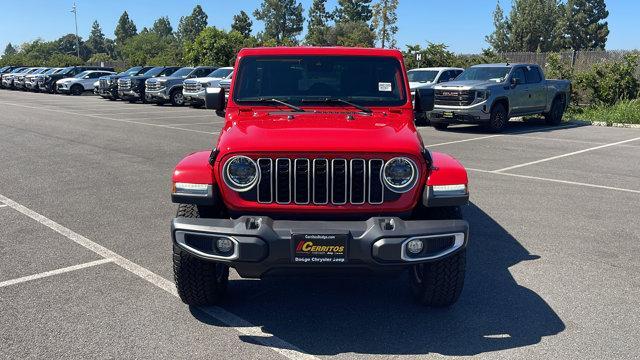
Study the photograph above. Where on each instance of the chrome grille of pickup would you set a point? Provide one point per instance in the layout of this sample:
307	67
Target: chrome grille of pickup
320	181
454	97
191	86
124	84
153	86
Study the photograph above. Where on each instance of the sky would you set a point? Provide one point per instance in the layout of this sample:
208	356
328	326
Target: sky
461	24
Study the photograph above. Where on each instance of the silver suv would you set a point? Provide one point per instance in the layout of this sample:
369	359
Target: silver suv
195	89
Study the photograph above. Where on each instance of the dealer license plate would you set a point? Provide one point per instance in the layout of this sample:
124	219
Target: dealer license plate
319	248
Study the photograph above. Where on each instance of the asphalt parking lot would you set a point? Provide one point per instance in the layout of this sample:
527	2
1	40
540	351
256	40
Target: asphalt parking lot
85	264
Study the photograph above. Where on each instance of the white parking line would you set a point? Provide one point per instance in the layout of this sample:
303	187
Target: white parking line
240	325
506	134
111	119
202	123
175	117
565	155
3	205
54	272
556	181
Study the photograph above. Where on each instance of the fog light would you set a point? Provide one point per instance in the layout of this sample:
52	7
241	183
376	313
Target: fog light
415	246
224	245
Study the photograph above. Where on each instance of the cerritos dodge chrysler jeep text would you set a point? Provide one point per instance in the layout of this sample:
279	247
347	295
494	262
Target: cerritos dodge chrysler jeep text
319	169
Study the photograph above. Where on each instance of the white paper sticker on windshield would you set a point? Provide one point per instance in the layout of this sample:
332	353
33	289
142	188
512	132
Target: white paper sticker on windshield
383	86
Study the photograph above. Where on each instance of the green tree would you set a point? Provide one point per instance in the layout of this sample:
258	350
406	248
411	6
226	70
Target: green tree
191	26
162	27
352	33
242	23
98	58
125	29
318	24
353	11
150	48
63	60
283	20
10	50
214	46
499	39
585	22
535	25
67	44
96	41
385	22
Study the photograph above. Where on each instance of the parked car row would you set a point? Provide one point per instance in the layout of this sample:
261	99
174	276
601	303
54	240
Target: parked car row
488	94
162	84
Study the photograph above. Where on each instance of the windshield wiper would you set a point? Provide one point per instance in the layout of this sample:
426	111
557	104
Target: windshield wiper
341	101
284	103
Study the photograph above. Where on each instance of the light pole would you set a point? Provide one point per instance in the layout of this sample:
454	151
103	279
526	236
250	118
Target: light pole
74	10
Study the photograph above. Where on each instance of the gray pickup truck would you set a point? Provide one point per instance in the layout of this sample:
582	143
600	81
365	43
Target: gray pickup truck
491	94
169	88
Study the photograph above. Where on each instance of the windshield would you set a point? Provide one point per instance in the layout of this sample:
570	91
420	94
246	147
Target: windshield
66	70
422	75
130	72
81	75
376	81
41	71
183	72
497	74
220	73
18	70
154	71
51	71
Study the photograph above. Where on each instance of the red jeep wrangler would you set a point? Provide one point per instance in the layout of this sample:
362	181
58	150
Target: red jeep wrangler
319	170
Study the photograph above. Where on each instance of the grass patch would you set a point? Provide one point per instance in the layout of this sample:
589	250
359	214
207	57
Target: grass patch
624	112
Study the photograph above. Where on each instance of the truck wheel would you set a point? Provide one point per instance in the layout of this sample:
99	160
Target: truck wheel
177	99
199	282
498	120
441	126
554	117
76	90
439	283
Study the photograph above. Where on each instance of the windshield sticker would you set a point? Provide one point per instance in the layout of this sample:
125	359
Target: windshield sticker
384	86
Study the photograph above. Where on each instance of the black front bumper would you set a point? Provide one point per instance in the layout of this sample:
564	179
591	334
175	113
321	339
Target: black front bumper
263	246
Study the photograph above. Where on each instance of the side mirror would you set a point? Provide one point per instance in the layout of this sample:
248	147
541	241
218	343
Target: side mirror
515	82
424	100
214	99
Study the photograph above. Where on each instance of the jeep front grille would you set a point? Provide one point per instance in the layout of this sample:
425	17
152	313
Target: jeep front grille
320	181
454	97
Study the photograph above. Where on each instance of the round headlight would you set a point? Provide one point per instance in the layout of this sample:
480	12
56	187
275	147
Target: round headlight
400	174
241	173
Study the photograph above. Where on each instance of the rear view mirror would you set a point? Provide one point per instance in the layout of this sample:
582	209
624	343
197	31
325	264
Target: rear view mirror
424	100
214	99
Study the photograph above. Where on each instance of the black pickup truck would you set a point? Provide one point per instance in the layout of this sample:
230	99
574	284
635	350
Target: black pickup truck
108	85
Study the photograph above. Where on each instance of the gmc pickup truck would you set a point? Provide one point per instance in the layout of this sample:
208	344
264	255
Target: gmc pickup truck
319	169
165	89
491	94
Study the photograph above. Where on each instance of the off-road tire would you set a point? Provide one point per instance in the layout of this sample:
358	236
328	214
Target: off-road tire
76	90
440	126
554	116
199	282
176	97
498	119
439	283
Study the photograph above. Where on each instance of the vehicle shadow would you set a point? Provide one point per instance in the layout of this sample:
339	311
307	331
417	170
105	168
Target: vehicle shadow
378	316
519	127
